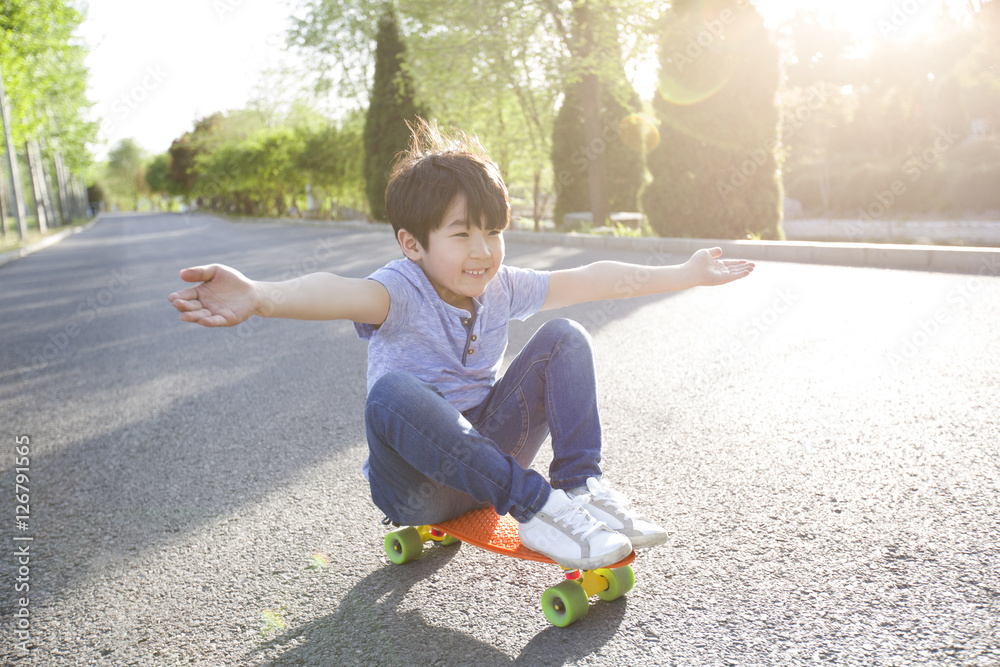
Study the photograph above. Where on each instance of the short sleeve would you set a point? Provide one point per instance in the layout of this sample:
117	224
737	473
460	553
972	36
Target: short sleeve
527	289
404	297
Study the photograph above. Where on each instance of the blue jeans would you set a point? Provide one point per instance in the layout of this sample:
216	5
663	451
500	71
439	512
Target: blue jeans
430	463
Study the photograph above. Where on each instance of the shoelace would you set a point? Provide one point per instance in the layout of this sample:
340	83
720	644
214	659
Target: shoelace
572	515
603	491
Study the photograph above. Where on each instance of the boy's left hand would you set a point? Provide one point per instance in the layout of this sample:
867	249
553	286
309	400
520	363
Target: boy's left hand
707	269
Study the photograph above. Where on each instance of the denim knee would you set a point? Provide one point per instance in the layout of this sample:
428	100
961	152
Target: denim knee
567	334
394	386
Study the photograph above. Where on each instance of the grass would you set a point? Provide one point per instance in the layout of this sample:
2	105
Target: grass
12	241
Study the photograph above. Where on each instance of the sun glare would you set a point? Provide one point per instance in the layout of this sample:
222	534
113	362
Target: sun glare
868	19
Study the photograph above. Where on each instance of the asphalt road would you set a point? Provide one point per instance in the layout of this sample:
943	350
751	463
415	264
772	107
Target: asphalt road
821	442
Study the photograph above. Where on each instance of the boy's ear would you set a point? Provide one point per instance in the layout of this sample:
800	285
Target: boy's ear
410	246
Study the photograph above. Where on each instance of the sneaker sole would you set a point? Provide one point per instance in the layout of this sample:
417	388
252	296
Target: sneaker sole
593	562
646	541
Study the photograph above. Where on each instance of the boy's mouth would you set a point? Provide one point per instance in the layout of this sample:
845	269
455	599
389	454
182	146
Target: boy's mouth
478	273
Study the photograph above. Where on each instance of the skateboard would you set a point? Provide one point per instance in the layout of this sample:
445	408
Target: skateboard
562	604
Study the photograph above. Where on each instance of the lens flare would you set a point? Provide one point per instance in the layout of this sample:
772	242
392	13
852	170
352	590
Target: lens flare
639	133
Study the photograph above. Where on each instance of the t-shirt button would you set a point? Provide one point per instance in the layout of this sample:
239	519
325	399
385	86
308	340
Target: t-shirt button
471	350
473	336
465	321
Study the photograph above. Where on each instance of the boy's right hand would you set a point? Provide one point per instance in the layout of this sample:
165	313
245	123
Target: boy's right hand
224	298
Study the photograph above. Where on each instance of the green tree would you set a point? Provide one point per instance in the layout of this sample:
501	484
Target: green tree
45	77
495	68
126	174
572	154
331	160
391	104
715	172
158	177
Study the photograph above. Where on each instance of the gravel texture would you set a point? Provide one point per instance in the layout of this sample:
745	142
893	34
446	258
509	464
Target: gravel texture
821	443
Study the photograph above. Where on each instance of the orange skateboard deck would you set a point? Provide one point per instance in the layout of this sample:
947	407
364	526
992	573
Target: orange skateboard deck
562	604
488	530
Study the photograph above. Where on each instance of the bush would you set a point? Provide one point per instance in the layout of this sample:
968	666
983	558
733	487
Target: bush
975	190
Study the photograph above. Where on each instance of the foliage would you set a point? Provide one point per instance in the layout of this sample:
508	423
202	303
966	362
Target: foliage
715	173
126	174
903	115
495	68
45	78
392	104
234	163
572	153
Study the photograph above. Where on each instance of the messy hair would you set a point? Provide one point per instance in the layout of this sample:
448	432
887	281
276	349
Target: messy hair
435	168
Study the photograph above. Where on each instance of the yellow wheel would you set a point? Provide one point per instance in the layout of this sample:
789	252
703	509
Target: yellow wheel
565	603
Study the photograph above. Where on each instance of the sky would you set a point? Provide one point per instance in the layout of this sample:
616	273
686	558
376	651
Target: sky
157	65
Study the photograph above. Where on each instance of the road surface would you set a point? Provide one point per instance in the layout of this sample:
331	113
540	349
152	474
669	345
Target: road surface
821	442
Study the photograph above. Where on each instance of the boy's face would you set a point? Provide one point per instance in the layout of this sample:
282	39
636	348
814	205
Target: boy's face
460	258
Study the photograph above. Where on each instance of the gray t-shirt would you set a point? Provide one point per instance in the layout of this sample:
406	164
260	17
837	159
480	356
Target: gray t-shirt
458	352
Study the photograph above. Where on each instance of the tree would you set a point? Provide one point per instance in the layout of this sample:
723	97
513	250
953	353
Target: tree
572	154
126	173
158	177
391	104
715	171
496	68
45	80
331	160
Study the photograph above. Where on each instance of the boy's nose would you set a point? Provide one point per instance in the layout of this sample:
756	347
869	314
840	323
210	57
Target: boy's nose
480	248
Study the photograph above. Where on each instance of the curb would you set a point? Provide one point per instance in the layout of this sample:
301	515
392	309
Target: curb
11	255
984	261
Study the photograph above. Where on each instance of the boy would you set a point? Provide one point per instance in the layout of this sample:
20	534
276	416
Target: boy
445	433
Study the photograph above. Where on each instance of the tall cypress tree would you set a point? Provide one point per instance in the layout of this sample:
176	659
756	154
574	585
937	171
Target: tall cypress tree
392	102
715	173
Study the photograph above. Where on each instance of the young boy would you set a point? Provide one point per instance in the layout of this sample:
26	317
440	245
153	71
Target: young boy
445	433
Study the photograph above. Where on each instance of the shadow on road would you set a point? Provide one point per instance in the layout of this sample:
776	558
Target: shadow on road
368	628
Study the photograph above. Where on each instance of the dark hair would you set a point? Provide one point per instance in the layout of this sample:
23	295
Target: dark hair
427	176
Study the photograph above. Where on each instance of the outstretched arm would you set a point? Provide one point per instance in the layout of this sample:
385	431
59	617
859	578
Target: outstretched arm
617	280
225	297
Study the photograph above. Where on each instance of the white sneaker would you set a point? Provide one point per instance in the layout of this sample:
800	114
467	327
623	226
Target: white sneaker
564	531
610	506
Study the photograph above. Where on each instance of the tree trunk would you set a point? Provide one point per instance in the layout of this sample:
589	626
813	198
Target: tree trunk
15	175
590	100
37	180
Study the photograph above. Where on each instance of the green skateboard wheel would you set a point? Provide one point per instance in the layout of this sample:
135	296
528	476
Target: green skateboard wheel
620	581
565	603
402	546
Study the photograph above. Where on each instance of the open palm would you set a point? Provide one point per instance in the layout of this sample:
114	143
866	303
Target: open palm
224	298
709	270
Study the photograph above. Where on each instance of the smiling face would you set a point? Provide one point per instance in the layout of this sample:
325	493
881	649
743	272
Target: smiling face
461	257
